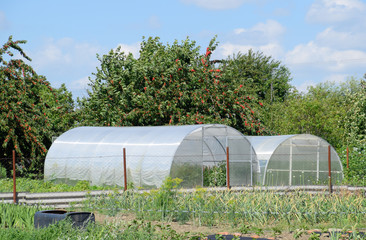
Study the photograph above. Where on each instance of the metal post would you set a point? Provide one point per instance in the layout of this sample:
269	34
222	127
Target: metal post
290	167
227	169
330	171
318	161
14	180
347	158
124	168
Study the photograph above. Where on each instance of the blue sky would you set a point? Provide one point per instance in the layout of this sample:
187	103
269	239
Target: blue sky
318	40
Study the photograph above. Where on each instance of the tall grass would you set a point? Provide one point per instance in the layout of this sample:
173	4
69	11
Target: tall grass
17	216
33	185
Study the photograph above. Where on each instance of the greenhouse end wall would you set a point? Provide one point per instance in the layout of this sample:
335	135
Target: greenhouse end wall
296	160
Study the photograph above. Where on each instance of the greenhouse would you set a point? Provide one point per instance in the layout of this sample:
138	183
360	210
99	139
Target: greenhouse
295	160
95	154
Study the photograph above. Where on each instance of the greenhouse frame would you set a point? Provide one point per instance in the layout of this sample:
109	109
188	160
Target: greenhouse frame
95	154
301	159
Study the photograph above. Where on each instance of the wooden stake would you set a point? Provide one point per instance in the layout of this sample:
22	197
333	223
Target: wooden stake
227	169
14	180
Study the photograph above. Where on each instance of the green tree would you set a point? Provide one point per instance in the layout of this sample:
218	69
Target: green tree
262	76
355	121
320	112
355	135
167	84
28	110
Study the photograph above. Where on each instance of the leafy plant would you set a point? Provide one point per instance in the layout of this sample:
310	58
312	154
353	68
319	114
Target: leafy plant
298	233
215	176
276	231
314	236
244	228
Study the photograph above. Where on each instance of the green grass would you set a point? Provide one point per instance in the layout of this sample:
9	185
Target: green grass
33	186
17	216
65	230
245	212
256	209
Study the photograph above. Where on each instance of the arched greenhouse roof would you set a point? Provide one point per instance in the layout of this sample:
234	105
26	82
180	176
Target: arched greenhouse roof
295	160
95	154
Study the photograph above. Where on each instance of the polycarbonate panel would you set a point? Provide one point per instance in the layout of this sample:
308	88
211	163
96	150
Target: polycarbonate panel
276	177
95	154
243	164
187	161
295	160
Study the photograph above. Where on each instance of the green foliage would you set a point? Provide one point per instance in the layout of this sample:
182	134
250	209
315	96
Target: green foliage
320	112
262	77
2	172
215	176
262	208
17	216
29	109
167	84
355	122
166	193
356	173
33	185
125	231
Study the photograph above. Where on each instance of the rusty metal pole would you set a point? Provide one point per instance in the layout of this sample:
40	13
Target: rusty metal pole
330	171
227	169
347	158
124	168
14	180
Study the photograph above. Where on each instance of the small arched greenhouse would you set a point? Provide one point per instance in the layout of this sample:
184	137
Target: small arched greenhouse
95	154
302	159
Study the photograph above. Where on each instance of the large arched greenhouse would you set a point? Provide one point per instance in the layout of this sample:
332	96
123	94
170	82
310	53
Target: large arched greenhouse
295	160
95	154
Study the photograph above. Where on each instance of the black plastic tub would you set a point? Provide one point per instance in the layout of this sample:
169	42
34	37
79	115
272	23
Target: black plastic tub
47	217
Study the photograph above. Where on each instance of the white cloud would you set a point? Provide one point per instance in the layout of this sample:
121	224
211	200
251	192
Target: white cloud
323	57
342	39
270	29
216	4
227	49
336	11
130	48
264	37
260	34
64	53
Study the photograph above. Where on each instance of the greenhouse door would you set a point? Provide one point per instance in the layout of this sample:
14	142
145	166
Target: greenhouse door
241	162
214	154
214	161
